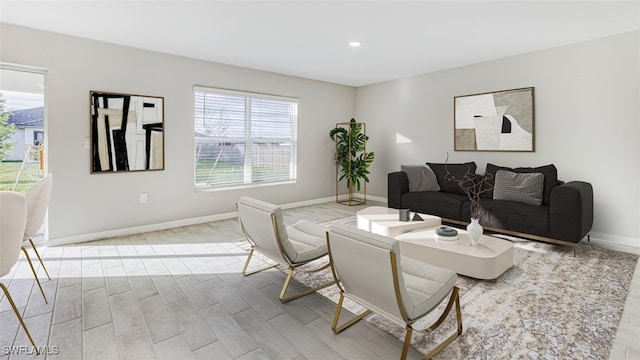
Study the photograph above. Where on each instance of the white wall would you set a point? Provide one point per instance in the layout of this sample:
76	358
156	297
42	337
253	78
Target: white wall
586	121
84	204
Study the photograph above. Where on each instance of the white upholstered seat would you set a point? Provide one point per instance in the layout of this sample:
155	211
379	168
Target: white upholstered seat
13	218
370	271
293	246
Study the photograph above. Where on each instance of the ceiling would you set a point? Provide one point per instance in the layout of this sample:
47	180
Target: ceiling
311	39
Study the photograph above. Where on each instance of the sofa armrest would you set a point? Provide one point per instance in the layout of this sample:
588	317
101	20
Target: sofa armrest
571	211
397	184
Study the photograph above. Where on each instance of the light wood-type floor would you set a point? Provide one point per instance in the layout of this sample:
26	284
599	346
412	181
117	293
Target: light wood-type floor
180	294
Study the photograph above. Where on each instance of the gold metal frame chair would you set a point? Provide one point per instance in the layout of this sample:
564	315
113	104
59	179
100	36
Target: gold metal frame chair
37	203
292	247
13	218
368	264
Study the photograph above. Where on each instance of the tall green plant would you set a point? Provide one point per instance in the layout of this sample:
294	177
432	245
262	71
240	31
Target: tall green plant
6	131
350	154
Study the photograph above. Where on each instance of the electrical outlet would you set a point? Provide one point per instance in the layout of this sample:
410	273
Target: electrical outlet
144	197
86	143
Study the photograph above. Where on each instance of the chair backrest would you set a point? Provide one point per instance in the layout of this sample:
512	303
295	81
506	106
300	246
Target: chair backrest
362	262
37	203
13	218
263	225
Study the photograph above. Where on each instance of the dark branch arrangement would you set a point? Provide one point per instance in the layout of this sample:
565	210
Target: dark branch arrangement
472	186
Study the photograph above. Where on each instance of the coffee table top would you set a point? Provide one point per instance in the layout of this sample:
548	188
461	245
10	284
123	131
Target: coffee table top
488	246
386	221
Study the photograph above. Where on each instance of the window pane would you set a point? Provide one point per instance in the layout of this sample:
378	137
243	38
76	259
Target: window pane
272	119
228	123
219	115
219	163
271	161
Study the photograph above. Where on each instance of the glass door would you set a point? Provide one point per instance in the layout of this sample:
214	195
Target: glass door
22	128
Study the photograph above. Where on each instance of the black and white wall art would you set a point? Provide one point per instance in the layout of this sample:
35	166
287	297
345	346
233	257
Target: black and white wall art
495	121
127	132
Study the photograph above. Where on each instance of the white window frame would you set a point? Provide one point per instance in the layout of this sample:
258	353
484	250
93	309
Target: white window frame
248	141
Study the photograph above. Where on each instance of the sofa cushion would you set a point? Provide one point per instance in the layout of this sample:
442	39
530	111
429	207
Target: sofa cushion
550	178
421	178
512	216
436	203
458	171
519	187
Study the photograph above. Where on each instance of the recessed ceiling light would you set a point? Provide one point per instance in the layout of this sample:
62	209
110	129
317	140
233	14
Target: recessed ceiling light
354	44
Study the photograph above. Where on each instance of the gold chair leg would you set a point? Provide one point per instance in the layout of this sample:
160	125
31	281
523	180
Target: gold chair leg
246	265
454	299
35	275
407	343
334	326
303	293
39	258
15	310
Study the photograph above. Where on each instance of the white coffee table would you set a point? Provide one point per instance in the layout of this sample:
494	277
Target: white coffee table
385	221
488	260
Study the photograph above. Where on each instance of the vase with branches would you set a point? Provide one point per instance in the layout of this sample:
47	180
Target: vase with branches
473	186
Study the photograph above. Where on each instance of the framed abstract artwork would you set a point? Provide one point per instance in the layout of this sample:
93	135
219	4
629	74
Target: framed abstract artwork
127	132
495	121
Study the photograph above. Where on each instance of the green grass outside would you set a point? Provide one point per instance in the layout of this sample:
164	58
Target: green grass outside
9	171
231	173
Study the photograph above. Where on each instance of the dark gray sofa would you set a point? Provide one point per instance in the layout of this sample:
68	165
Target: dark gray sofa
564	217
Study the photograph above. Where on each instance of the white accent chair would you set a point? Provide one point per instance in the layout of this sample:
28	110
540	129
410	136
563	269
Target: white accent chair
37	203
13	218
292	247
370	271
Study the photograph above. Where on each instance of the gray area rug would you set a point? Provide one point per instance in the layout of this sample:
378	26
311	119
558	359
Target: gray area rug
549	305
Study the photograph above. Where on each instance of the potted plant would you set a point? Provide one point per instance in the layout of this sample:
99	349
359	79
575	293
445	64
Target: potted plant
351	158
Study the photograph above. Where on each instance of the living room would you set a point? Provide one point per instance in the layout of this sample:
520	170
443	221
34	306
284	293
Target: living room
586	123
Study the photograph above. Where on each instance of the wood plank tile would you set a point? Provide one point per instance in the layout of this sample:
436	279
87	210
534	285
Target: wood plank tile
228	331
116	280
37	304
229	299
175	266
100	343
9	328
268	339
198	293
168	288
212	351
266	307
172	349
66	337
92	275
143	286
135	345
159	321
96	310
192	326
308	344
295	308
68	304
125	313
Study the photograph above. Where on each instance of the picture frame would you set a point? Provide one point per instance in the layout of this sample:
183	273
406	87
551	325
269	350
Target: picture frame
127	132
495	121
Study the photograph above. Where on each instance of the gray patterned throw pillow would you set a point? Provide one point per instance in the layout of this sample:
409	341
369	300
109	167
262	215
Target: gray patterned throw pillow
521	187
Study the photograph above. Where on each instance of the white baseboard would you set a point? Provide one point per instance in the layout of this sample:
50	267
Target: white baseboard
608	240
165	225
137	229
